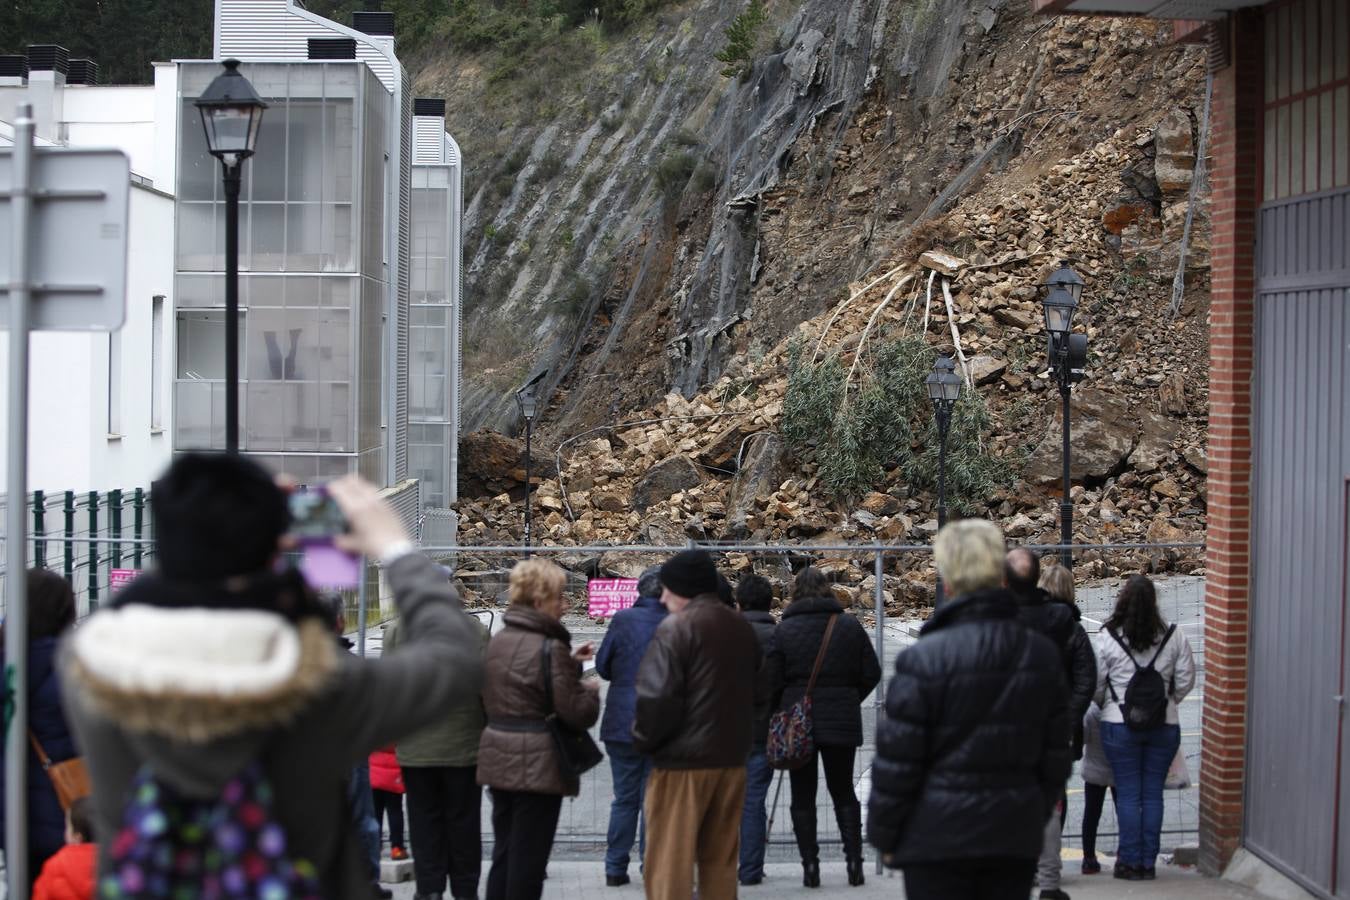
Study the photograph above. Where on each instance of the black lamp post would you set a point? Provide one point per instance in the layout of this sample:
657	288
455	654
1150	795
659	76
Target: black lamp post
231	114
525	399
944	389
1068	355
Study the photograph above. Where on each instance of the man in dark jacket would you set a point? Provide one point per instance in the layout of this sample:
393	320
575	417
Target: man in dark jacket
1057	621
754	596
214	664
617	662
974	748
695	711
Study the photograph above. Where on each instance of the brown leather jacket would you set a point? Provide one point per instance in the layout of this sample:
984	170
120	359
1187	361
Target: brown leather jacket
517	754
696	689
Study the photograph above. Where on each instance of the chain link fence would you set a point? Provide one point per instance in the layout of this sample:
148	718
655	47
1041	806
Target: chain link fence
79	536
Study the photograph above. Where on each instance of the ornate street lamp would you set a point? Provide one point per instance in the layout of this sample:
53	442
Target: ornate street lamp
528	405
1068	356
231	114
944	389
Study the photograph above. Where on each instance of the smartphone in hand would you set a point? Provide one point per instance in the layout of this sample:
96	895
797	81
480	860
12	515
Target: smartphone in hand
316	520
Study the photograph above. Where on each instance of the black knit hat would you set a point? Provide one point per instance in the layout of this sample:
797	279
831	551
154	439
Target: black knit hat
216	516
690	573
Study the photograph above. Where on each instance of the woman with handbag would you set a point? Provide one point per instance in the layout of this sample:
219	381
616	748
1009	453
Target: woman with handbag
538	709
51	610
823	657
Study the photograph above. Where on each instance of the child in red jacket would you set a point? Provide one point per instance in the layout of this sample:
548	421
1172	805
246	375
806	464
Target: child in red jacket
69	874
386	786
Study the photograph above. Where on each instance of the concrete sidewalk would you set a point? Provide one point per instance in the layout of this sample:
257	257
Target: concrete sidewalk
576	880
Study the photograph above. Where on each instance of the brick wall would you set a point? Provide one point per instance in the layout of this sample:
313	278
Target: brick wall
1235	168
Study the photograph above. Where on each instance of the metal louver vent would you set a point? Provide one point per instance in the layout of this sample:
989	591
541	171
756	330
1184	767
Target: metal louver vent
332	48
429	106
48	58
373	23
13	65
402	316
82	71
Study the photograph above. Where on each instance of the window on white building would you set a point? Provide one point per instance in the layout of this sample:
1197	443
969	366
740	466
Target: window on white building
156	362
115	383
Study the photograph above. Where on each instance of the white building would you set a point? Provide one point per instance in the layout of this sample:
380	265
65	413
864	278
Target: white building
347	234
100	411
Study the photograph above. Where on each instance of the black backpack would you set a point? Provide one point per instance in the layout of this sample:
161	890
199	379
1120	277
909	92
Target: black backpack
1145	704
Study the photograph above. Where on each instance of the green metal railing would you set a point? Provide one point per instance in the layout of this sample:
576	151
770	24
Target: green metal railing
87	534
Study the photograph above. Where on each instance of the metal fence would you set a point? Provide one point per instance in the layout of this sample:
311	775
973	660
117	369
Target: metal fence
76	534
85	536
898	579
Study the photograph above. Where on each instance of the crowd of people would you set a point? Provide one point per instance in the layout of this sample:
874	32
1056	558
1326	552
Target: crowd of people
234	749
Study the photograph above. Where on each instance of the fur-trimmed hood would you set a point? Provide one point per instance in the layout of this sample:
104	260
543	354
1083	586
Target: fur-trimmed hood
198	674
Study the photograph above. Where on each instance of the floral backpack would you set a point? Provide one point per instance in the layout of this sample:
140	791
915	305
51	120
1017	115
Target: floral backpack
791	742
218	849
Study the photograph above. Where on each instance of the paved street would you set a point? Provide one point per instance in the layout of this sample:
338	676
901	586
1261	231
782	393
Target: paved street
575	880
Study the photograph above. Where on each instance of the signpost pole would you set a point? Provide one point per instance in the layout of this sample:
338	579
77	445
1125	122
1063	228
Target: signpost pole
16	568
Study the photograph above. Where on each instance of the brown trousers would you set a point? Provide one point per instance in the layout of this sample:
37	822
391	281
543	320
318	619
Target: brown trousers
693	819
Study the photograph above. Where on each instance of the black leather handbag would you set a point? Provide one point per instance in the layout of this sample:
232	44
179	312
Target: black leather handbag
577	752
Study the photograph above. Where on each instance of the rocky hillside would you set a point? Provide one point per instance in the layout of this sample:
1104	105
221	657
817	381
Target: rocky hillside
873	153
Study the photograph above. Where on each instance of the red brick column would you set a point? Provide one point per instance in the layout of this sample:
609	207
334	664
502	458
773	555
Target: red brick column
1236	166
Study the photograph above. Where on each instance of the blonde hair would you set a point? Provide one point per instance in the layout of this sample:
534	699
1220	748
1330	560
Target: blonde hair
535	582
969	556
1057	581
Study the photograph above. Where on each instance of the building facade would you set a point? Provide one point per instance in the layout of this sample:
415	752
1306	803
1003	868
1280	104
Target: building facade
434	386
1275	773
100	405
330	219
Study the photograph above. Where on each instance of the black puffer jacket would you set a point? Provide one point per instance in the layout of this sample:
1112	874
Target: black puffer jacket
974	748
849	673
1059	621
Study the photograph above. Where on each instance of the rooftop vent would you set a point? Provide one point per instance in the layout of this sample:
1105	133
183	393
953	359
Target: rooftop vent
82	71
374	23
332	48
429	106
13	66
48	58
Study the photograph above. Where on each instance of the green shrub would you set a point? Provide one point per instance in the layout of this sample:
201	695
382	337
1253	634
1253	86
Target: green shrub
673	172
549	167
856	434
742	35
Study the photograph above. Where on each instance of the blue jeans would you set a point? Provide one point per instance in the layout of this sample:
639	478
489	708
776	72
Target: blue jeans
754	817
1140	760
630	770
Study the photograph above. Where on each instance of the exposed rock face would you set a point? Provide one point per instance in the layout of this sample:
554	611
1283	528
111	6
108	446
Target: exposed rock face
664	480
1102	436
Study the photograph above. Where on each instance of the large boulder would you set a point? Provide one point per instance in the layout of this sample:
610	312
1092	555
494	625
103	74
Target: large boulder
490	463
1157	435
667	477
1102	436
721	454
1174	162
762	470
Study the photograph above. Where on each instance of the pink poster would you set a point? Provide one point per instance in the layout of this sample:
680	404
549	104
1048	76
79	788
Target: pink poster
606	596
120	578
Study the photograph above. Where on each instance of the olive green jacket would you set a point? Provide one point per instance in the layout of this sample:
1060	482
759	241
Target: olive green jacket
453	740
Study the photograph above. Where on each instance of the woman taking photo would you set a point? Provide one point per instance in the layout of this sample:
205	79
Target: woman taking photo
1144	669
516	757
849	671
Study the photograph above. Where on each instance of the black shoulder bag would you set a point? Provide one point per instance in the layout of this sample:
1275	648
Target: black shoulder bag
576	751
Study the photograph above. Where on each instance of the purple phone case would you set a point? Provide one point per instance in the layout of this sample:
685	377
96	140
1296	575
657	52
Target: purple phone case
324	565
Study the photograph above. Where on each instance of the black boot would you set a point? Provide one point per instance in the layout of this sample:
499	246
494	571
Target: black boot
804	827
850	832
